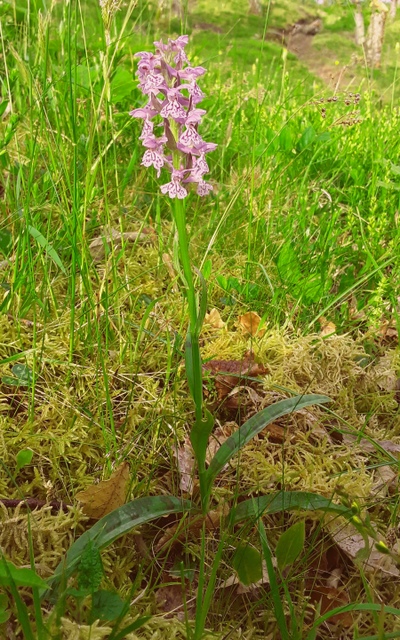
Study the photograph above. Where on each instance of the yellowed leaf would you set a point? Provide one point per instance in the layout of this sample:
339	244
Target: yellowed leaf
214	320
327	327
250	323
104	497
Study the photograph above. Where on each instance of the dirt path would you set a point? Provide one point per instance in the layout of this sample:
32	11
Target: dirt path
299	42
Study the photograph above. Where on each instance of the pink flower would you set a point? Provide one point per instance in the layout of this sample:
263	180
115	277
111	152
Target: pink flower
175	189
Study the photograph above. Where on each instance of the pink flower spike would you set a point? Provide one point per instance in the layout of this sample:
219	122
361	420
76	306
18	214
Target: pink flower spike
147	129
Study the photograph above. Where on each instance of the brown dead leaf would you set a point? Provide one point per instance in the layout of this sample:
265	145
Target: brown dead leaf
352	544
186	463
368	447
111	237
104	497
214	320
250	322
327	327
229	373
330	598
385	480
169	599
218	437
388	332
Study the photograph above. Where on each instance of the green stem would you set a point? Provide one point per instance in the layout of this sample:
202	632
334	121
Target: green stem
193	331
194	367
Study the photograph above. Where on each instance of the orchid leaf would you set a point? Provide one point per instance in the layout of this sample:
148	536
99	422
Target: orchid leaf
111	527
254	425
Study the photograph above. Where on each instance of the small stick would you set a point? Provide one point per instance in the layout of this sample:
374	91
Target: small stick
34	503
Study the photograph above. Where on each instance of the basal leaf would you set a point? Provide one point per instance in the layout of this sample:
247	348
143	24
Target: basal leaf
286	501
111	527
254	425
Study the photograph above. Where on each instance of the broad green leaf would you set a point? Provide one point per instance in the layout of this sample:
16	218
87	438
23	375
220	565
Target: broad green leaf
307	138
290	545
45	244
23	577
247	564
254	425
286	501
207	268
4	615
107	605
113	526
23	373
24	457
122	85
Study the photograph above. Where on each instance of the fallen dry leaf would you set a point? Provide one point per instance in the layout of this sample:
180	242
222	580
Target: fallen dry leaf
327	327
369	447
186	463
104	497
218	437
214	320
385	480
250	322
352	544
229	373
329	598
388	332
111	237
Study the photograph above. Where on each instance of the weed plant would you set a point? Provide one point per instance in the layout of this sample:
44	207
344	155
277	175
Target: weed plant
303	224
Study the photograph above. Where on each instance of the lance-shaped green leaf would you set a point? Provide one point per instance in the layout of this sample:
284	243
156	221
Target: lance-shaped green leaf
254	425
278	501
111	527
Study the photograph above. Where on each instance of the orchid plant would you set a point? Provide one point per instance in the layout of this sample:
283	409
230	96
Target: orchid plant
170	84
178	149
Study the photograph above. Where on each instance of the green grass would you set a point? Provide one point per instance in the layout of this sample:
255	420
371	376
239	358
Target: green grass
303	223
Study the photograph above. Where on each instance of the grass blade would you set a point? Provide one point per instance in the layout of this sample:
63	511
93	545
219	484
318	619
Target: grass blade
111	527
45	244
275	593
254	425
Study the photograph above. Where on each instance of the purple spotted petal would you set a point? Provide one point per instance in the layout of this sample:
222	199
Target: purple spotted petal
153	158
204	188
